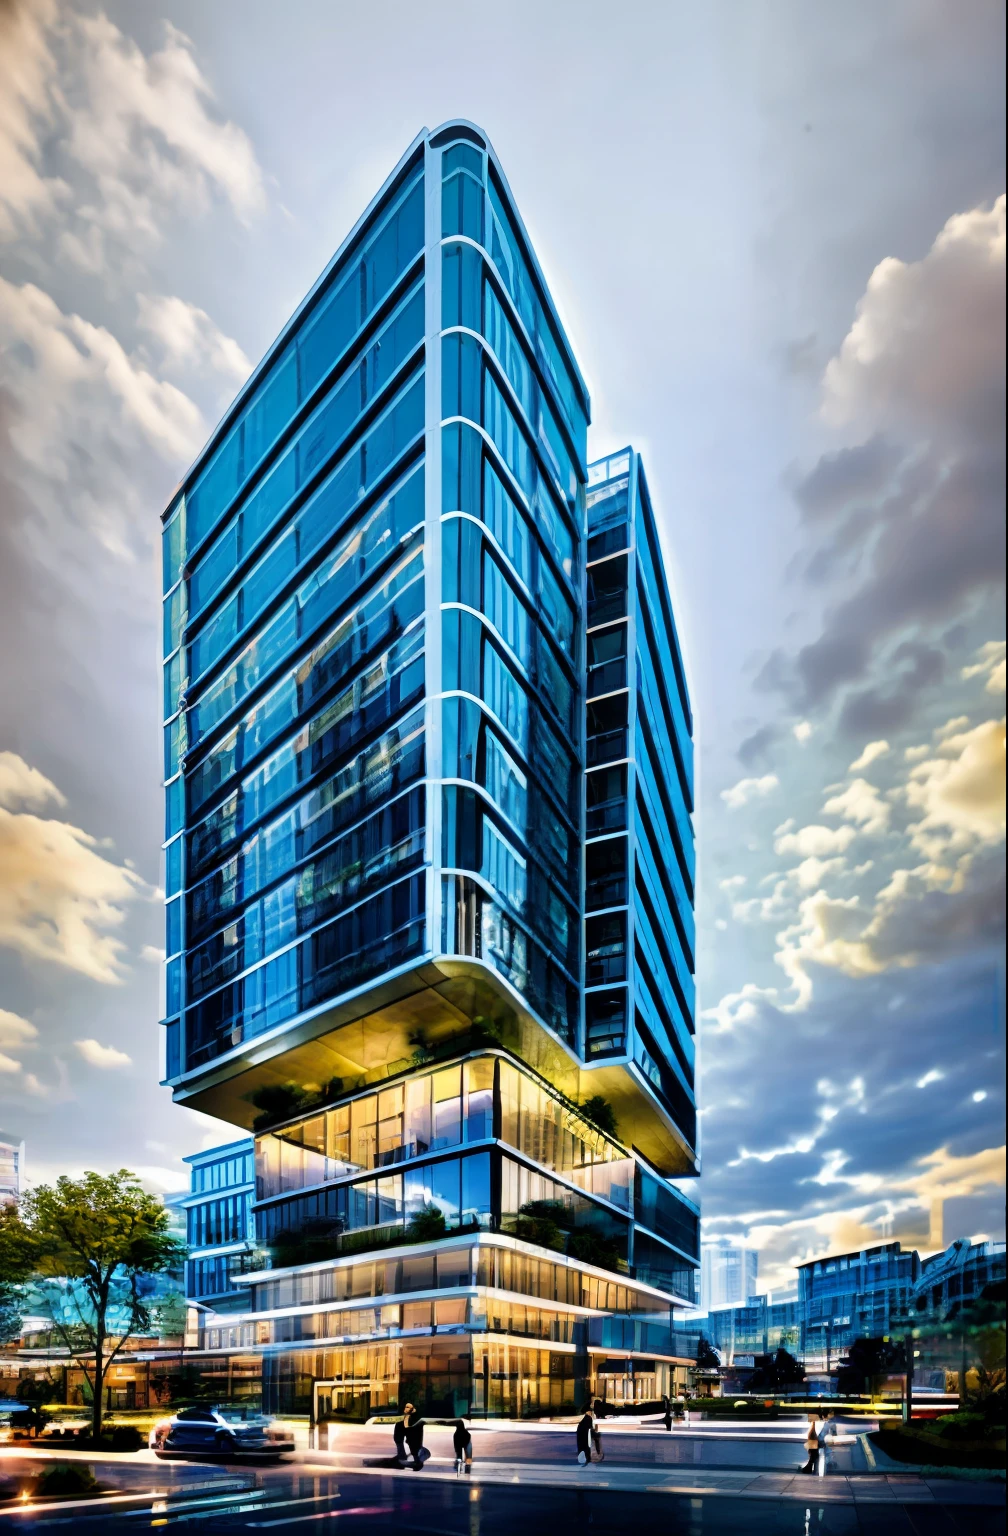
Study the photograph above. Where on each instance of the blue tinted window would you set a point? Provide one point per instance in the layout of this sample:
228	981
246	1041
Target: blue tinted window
325	332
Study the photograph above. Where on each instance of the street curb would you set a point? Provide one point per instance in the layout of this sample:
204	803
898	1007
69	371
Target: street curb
869	1452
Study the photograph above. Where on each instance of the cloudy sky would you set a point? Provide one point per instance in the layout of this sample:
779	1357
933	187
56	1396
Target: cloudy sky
777	238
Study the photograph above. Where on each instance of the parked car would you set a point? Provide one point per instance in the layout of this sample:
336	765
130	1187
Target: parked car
199	1432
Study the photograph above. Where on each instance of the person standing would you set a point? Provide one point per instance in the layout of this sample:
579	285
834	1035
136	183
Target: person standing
596	1433
812	1446
399	1436
584	1438
462	1442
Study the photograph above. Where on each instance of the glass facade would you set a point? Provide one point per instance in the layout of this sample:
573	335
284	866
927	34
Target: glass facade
394	661
852	1296
219	1224
640	864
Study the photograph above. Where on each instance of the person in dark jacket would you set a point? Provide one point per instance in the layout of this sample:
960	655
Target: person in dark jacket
584	1438
667	1403
462	1442
399	1436
414	1436
598	1411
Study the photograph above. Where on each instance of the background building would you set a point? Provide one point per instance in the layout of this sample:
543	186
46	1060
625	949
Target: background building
853	1295
219	1224
375	720
12	1152
727	1274
761	1327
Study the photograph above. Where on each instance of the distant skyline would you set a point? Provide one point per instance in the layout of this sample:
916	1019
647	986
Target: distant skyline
777	240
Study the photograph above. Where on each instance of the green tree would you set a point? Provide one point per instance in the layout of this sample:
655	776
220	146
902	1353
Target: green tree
868	1362
776	1373
86	1242
10	1313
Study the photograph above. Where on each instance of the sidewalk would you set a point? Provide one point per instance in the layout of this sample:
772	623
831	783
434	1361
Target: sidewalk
837	1488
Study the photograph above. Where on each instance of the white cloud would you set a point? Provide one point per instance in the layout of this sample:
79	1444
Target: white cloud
935	1075
861	803
979	1096
152	954
747	790
26	69
928	335
60	898
802	731
961	791
732	883
871	753
8	1064
737	1008
815	841
14	1030
189	337
991	662
24	786
104	1056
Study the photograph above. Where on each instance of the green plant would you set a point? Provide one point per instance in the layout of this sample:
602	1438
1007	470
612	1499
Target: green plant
540	1222
276	1102
599	1113
126	1437
428	1224
592	1248
62	1477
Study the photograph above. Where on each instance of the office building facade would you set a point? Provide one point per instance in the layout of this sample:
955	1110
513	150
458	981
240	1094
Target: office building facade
850	1296
376	606
12	1154
220	1225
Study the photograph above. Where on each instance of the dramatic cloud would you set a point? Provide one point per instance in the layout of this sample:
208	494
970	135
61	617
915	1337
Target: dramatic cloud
60	898
961	792
915	511
103	1056
140	130
26	69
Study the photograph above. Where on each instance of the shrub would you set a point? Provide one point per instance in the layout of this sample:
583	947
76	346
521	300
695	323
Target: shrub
126	1437
62	1477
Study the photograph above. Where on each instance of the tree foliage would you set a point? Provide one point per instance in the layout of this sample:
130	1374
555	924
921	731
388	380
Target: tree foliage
86	1242
707	1358
868	1362
599	1112
776	1373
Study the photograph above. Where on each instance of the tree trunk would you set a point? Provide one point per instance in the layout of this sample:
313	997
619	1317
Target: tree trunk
97	1401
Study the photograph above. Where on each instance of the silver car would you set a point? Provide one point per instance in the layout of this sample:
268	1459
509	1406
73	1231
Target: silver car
218	1432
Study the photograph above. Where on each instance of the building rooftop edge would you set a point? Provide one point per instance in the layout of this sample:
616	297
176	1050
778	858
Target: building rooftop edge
424	136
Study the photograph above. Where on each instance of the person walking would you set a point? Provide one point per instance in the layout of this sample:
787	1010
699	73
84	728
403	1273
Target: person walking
462	1442
414	1437
584	1438
667	1406
399	1436
812	1446
827	1443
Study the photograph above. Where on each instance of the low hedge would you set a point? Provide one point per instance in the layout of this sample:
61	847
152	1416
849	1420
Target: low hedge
924	1447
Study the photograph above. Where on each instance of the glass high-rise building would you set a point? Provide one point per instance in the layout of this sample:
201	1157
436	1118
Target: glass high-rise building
385	595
